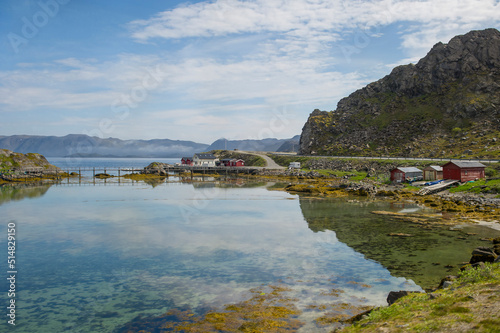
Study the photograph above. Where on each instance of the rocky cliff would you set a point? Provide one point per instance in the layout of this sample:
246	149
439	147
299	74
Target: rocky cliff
20	166
447	105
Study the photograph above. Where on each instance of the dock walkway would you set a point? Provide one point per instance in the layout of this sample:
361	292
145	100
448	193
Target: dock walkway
169	169
437	187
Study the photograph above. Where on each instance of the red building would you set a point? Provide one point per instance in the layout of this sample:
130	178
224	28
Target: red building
463	171
187	161
231	162
402	174
237	163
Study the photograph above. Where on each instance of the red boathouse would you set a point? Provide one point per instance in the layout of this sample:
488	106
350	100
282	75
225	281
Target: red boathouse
187	161
231	162
463	171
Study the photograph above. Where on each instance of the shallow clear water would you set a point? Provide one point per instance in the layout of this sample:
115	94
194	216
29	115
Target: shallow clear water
92	258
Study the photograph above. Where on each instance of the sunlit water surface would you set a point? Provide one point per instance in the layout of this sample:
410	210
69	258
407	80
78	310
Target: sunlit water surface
92	258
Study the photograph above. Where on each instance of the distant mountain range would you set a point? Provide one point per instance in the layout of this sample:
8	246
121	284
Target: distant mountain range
86	146
278	145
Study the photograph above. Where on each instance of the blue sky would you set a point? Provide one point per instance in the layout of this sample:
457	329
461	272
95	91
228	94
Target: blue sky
202	70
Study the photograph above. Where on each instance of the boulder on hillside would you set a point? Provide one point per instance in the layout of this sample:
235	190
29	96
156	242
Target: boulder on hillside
483	254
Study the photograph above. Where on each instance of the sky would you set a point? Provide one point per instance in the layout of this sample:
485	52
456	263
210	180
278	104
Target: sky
204	70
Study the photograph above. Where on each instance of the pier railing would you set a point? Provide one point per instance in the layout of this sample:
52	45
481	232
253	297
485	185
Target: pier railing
20	173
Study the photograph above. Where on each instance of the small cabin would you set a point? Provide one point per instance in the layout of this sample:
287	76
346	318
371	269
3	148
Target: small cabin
206	160
463	171
294	165
402	174
232	162
237	163
187	161
226	161
433	172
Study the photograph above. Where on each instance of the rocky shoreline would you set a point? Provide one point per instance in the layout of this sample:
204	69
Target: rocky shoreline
18	167
477	280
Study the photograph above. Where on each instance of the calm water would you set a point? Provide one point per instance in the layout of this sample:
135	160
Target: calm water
93	258
98	162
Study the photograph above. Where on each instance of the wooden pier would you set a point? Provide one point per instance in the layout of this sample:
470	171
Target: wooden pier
437	187
27	173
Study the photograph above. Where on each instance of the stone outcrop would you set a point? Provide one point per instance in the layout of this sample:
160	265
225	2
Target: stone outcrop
19	166
448	104
156	168
395	295
483	254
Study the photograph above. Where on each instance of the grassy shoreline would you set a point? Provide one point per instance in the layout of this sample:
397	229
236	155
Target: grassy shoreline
471	303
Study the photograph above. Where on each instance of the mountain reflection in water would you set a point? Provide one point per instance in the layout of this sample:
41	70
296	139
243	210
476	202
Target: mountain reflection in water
425	257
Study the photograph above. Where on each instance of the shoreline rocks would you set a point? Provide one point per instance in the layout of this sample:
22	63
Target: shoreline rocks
17	166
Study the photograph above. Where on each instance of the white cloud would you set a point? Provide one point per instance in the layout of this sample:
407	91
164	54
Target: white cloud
238	61
315	22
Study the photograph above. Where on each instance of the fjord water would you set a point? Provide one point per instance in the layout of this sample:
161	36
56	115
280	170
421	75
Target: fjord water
91	258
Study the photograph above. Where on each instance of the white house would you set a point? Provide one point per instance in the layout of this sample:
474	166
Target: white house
208	160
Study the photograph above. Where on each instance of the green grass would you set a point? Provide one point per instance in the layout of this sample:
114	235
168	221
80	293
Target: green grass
250	160
480	186
327	173
418	312
412	188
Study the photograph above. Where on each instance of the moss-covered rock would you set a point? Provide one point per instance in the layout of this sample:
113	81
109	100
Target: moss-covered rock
26	167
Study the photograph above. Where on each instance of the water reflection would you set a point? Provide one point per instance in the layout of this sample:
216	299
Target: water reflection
95	257
14	192
422	254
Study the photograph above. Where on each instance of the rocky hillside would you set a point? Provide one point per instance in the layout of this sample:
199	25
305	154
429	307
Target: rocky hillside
447	105
14	165
11	160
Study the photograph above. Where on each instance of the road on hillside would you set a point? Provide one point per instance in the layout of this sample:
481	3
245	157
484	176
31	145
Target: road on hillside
269	161
398	158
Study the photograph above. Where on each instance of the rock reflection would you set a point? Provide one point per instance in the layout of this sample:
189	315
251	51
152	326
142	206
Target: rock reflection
422	253
15	192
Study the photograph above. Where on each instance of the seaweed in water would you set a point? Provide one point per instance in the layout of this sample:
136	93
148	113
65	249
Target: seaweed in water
268	310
